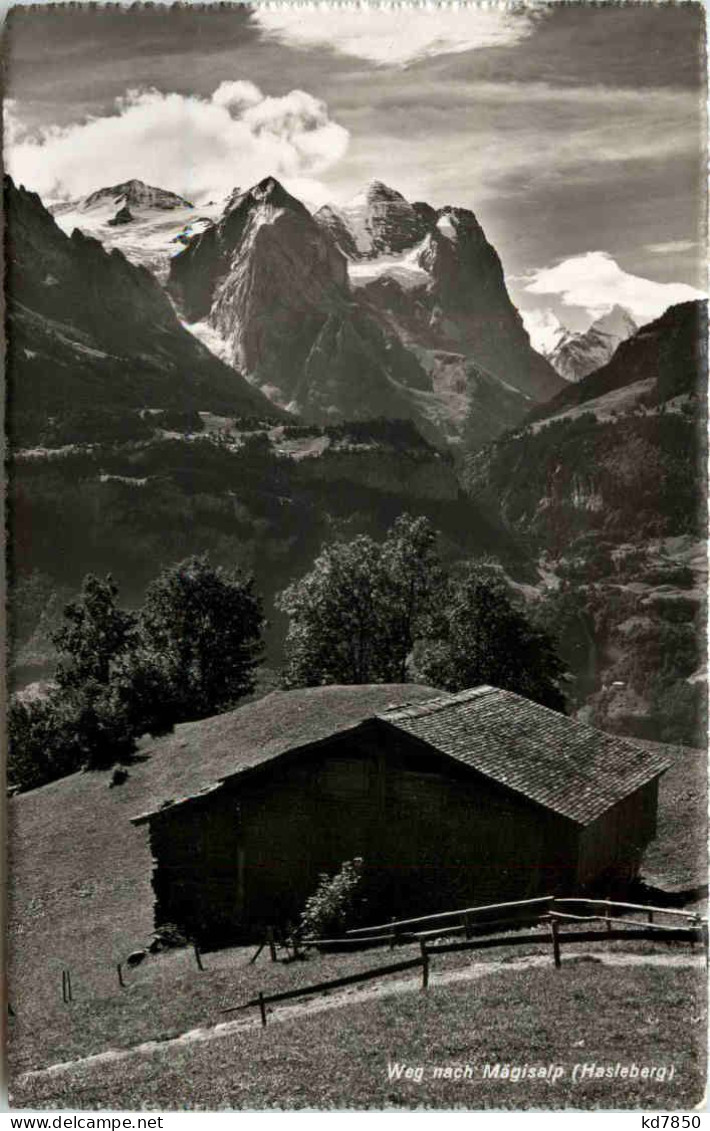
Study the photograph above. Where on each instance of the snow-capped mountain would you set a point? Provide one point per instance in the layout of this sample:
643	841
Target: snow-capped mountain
577	355
378	221
146	223
379	308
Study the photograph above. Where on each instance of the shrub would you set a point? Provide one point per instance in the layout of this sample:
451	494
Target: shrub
336	903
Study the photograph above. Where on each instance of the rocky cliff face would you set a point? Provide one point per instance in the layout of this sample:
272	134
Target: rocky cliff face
378	221
444	283
348	314
103	327
577	355
267	279
606	486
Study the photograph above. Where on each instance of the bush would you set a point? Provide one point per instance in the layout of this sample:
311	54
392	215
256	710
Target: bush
168	936
336	903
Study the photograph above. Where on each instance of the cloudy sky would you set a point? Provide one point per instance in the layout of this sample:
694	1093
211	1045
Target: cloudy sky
575	132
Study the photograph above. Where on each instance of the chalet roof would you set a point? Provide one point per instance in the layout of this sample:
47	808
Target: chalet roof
567	766
199	756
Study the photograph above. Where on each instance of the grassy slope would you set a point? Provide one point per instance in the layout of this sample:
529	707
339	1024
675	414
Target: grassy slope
339	1058
678	858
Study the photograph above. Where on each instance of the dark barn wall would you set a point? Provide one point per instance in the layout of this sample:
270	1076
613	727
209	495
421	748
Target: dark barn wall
432	834
613	845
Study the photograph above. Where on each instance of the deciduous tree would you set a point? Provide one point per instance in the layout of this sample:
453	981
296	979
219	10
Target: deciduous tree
354	617
481	637
202	625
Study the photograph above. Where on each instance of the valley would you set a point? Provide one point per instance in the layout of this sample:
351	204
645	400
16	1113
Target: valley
268	380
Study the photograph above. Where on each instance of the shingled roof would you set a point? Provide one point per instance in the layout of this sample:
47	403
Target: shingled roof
567	766
199	756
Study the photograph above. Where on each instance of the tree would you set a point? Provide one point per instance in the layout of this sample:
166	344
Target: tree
41	743
95	636
93	719
412	579
354	617
481	637
201	626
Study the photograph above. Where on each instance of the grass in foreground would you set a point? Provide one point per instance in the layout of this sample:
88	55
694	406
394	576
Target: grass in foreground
340	1058
167	995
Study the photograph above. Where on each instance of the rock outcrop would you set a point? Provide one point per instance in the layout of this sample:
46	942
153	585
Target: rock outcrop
123	216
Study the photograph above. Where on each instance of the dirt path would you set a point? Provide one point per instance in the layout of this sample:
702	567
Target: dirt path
352	996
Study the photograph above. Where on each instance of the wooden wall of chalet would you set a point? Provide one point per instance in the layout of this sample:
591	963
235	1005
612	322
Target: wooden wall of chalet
613	844
433	837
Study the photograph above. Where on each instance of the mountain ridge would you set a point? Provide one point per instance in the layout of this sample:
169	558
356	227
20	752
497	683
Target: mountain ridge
576	355
293	313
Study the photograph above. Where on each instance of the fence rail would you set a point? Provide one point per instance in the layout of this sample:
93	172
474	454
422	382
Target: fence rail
469	918
626	931
627	906
334	983
459	913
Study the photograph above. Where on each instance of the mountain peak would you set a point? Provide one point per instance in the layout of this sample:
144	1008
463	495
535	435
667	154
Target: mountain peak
135	194
377	221
379	191
266	191
374	193
617	322
577	355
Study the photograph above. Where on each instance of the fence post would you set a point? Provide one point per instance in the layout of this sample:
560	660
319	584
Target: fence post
64	986
272	944
393	936
254	956
70	996
262	1009
704	935
650	916
555	942
425	963
198	956
467	926
120	974
607	915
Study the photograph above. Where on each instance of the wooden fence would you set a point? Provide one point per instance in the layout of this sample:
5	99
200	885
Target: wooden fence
543	912
262	1000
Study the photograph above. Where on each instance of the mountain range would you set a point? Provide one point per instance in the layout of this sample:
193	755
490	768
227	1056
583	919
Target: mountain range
378	308
384	309
214	379
575	355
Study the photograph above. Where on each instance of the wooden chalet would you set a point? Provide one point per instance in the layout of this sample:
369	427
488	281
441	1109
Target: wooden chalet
450	799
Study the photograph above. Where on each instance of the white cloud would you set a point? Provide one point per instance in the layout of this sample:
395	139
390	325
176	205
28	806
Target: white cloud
544	328
595	282
671	247
391	35
198	147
